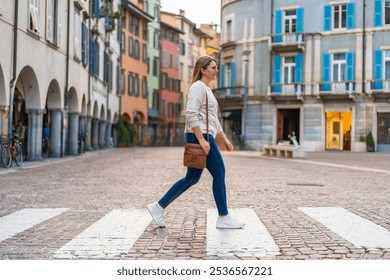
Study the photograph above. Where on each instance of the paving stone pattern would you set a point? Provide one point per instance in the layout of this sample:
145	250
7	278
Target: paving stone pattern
99	182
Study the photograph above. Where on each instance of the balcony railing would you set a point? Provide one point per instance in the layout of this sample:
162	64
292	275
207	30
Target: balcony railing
377	86
345	87
287	39
296	89
225	92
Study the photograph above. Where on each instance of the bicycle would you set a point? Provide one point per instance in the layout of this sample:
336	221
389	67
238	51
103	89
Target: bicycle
11	150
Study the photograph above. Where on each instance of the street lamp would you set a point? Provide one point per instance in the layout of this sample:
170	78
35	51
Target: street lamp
245	57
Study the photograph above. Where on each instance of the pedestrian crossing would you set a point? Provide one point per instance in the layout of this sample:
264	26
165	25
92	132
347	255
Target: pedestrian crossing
115	233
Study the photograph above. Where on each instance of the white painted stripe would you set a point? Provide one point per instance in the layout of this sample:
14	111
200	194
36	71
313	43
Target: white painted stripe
24	219
111	236
252	240
356	230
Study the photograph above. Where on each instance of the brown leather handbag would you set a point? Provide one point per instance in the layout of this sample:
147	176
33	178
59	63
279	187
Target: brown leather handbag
194	155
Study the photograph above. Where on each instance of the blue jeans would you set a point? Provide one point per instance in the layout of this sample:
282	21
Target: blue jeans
216	168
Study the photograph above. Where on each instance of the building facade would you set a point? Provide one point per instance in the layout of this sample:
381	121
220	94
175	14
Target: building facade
56	72
154	46
170	107
135	59
316	69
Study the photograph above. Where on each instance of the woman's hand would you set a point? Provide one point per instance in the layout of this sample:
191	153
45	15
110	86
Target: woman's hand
228	145
223	143
205	146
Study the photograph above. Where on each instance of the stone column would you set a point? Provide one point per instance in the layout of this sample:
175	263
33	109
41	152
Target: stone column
34	128
88	145
73	133
102	134
55	133
108	135
95	134
4	120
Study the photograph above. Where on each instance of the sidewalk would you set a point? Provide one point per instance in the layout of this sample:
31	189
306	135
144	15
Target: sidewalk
375	160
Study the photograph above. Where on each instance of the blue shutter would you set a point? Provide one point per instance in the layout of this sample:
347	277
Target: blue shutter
326	71
278	25
91	55
84	53
350	66
97	51
350	15
232	73
378	13
327	17
298	68
277	73
300	20
222	77
96	8
377	69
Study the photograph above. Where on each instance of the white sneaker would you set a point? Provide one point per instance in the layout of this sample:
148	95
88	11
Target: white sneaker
228	222
157	213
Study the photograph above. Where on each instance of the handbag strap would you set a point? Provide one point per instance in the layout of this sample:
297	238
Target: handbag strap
207	117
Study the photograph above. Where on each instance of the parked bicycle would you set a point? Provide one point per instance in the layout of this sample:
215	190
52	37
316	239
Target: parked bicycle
11	150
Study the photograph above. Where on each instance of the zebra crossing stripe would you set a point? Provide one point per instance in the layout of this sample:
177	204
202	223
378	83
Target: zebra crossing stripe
356	230
252	240
24	219
111	236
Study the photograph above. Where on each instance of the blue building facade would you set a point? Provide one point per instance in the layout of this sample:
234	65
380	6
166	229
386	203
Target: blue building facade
316	69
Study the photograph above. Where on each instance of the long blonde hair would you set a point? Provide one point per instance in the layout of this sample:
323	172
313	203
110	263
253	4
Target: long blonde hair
202	62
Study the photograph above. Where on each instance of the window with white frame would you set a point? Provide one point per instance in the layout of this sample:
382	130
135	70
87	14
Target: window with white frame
144	87
290	21
164	58
77	32
387	12
338	67
340	16
386	62
122	82
34	16
136	85
52	21
289	70
229	31
228	74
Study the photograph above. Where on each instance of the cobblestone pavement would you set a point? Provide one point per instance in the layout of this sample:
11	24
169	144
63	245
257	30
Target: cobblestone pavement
92	185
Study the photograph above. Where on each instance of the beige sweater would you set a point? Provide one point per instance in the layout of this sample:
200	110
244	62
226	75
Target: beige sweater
196	109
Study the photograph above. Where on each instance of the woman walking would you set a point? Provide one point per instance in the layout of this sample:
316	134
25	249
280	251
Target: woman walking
205	71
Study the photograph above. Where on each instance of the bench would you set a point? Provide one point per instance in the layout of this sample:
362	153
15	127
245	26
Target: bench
284	151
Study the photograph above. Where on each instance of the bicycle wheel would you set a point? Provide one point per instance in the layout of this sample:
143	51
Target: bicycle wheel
6	157
19	155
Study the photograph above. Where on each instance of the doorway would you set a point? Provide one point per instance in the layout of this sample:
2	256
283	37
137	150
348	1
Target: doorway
338	131
288	124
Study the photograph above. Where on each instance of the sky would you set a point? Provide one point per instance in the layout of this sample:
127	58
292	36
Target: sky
197	11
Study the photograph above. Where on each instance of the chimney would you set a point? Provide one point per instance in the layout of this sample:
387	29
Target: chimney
182	12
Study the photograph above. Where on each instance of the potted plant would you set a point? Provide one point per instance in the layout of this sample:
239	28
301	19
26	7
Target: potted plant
370	142
125	137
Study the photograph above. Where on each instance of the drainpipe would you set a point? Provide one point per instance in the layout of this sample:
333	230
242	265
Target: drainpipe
66	80
364	48
271	32
15	56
